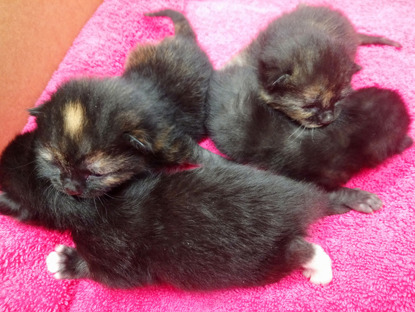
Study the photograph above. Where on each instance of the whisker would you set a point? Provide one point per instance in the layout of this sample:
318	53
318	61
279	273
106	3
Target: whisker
295	131
301	133
112	197
103	206
96	208
21	166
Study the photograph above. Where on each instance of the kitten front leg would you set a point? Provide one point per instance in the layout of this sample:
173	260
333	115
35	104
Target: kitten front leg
66	263
9	207
356	199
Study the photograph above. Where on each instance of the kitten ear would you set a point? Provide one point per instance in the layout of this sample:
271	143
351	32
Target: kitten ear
138	141
356	68
35	111
281	80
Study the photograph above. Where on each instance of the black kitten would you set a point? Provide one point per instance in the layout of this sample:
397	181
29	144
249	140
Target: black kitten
175	75
94	134
372	127
304	61
207	228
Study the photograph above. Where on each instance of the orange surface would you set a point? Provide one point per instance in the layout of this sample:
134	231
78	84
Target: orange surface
34	37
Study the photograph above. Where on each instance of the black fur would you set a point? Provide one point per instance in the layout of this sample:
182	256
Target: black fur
207	228
372	127
304	62
176	75
94	134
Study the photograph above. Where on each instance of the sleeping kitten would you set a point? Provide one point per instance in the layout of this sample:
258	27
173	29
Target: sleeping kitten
213	227
372	127
94	134
304	61
175	75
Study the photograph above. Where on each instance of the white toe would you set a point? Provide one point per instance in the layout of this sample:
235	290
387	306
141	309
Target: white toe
53	262
318	269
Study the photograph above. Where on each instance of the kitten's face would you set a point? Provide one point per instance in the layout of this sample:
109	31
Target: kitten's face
307	86
85	133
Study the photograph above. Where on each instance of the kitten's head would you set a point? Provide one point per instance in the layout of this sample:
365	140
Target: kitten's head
93	135
306	79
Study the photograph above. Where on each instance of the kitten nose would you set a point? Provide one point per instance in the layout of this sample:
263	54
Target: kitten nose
71	187
72	192
326	117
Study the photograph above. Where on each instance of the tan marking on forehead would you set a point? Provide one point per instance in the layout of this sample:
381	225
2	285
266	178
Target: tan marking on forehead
73	119
141	54
312	92
319	92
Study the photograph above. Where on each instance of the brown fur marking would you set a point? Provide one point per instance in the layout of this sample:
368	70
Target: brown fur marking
317	92
51	154
103	163
161	140
141	54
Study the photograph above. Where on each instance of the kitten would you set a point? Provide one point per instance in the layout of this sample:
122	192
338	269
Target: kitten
304	61
95	134
372	127
212	227
175	74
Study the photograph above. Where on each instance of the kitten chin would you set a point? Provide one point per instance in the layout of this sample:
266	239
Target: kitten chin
95	134
214	227
305	61
372	127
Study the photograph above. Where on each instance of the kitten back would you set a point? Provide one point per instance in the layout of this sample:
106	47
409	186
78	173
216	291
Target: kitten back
182	26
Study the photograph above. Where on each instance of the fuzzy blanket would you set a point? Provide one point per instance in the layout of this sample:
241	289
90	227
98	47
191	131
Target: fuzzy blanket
373	255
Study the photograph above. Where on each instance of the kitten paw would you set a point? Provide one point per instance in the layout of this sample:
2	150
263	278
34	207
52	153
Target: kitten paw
365	201
357	199
65	263
318	269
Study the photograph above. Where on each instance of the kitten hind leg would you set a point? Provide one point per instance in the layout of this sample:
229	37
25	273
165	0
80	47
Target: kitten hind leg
345	199
316	263
318	269
368	39
66	263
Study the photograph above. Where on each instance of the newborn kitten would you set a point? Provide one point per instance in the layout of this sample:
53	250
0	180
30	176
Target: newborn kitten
175	75
372	127
213	227
95	134
304	61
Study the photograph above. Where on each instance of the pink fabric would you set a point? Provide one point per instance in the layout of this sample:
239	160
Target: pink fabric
373	255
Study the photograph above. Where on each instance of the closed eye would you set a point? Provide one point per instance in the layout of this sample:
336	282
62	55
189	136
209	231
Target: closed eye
313	108
88	174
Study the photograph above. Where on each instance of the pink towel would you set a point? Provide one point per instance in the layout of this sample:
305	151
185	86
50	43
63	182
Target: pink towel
373	255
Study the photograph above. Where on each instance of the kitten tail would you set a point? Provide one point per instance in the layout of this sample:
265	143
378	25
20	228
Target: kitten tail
369	39
182	26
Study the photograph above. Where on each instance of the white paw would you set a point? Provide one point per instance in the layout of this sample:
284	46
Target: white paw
318	269
55	262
